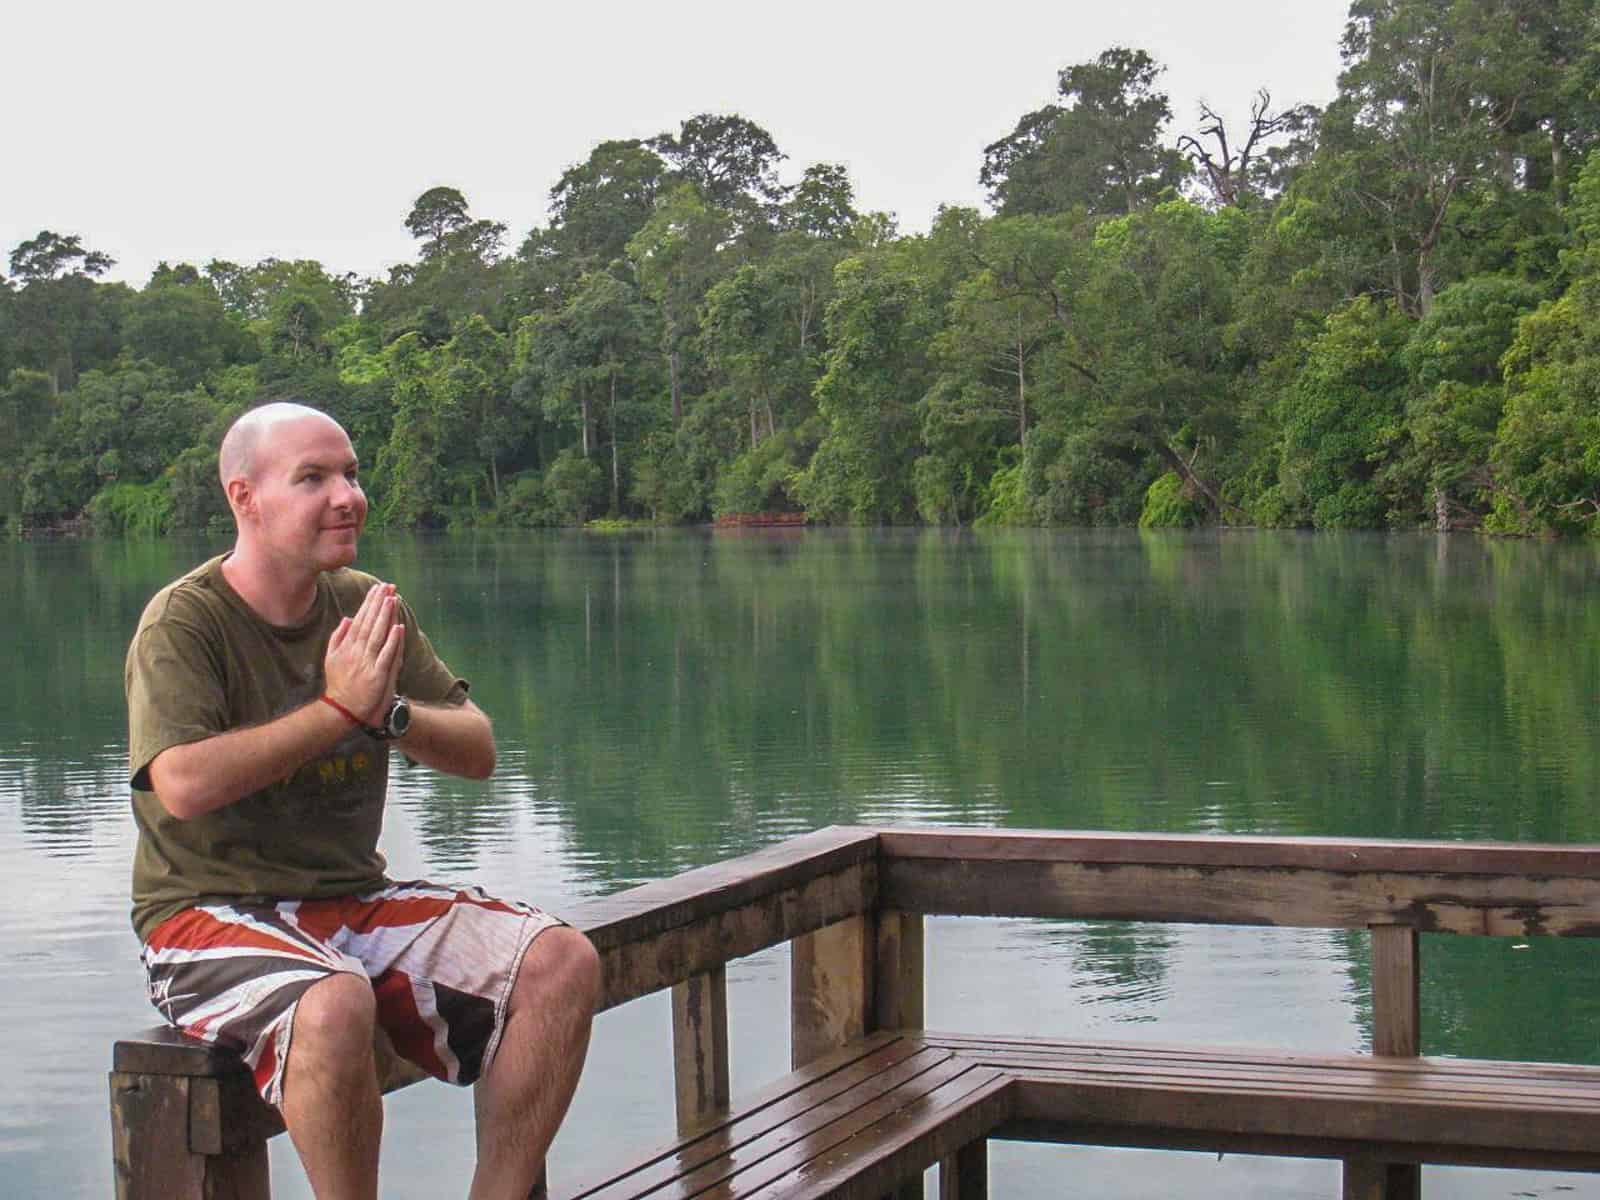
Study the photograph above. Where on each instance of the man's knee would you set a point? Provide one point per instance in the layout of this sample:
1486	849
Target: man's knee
563	968
339	1011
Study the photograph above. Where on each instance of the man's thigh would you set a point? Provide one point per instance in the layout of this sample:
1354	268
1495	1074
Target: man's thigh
233	974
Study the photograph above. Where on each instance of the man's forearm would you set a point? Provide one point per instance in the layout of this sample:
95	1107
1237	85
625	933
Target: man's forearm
201	777
455	738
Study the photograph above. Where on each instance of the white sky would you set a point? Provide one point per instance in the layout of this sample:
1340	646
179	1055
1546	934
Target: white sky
185	131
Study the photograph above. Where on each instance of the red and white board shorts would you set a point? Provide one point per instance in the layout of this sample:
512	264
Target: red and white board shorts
442	961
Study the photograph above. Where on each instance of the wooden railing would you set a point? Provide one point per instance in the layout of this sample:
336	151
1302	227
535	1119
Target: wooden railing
851	901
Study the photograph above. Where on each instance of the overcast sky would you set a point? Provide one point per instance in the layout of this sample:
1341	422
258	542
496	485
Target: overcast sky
189	131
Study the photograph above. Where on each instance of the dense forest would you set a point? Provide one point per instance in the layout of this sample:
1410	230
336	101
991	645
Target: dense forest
1378	314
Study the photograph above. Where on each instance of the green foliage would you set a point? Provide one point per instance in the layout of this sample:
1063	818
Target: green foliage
878	327
574	488
758	480
1342	420
1099	148
1170	504
132	509
1546	453
1005	500
1442	472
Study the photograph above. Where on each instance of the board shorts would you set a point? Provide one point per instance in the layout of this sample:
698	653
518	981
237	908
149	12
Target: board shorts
442	961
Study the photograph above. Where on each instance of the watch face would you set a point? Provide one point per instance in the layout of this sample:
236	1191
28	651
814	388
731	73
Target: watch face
399	718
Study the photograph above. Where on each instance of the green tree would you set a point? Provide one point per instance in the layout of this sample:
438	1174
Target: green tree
63	322
475	368
178	321
730	159
1343	420
678	255
589	361
1456	399
598	205
879	327
1146	369
1098	148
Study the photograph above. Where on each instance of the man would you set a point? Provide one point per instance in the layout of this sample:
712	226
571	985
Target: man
265	689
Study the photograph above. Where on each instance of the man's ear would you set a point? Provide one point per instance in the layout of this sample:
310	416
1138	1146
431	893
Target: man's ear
241	497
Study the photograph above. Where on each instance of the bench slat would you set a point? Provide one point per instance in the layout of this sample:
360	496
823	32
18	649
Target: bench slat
1420	1079
866	1154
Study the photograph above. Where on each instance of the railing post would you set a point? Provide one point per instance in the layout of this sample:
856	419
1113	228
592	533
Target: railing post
700	1046
898	987
1396	992
897	993
965	1174
1396	1033
831	982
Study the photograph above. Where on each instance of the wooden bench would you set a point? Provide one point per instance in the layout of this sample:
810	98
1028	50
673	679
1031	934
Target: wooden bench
866	1111
865	1121
857	1123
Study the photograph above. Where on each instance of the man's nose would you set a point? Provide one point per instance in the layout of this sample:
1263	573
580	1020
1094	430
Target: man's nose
348	493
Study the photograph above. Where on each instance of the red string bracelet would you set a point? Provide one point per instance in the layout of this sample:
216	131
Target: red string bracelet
337	707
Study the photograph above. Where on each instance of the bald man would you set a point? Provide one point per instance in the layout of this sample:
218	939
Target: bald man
265	690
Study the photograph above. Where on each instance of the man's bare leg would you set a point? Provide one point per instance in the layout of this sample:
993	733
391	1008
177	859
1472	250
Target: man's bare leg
331	1101
521	1099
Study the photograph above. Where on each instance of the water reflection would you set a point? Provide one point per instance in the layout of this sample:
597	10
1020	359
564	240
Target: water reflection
664	700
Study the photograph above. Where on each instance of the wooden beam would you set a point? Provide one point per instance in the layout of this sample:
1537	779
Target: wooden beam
830	988
1340	855
642	913
700	1047
1298	896
665	957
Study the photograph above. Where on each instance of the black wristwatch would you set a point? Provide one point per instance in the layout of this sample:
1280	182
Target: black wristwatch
396	720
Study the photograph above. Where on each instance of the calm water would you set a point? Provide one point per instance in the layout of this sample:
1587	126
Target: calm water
666	700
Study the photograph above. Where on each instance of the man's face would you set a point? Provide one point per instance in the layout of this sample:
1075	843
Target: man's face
309	507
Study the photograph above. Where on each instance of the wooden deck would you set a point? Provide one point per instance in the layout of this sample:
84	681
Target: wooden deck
874	1100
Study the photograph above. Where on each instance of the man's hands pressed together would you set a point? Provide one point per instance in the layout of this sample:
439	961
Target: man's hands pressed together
362	666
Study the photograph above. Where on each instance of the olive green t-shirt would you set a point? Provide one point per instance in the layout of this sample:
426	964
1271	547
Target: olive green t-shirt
203	662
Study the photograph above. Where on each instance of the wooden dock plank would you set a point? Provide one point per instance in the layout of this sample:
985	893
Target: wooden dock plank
775	1153
864	1155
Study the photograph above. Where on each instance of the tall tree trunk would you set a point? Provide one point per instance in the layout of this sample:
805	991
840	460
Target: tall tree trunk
494	478
616	479
673	366
583	402
772	425
1022	387
1558	164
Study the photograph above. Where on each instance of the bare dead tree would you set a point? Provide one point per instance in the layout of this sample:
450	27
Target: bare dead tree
1226	170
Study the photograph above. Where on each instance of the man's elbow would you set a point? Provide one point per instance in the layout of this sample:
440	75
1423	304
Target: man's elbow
482	764
183	797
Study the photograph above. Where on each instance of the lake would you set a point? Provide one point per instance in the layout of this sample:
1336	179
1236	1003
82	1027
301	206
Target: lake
668	699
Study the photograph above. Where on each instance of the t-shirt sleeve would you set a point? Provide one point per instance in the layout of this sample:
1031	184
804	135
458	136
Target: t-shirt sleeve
423	674
175	693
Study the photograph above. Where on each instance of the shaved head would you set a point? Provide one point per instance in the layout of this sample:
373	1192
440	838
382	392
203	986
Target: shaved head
237	458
